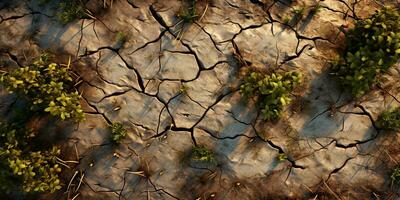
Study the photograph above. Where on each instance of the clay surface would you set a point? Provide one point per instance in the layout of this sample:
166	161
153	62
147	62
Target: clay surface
176	84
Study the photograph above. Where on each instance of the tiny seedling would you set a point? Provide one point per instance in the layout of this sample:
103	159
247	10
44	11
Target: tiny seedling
118	132
299	11
286	20
202	154
282	157
315	9
187	16
121	37
389	119
183	89
295	18
395	176
188	13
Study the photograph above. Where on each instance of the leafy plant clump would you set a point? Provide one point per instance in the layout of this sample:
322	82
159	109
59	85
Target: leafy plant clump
270	91
71	10
48	86
202	154
118	132
372	47
23	169
390	119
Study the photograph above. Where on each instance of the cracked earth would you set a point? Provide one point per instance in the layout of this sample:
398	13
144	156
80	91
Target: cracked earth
175	85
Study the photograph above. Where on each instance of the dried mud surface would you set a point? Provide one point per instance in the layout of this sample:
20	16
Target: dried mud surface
175	85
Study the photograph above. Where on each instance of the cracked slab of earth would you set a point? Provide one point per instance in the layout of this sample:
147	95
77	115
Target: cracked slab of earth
175	85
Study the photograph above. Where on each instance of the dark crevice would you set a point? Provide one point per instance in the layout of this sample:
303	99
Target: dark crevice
150	42
336	170
14	58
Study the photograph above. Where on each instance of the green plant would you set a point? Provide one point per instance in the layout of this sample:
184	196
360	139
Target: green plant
271	91
118	132
295	18
183	89
49	87
389	119
315	9
38	170
188	13
71	10
202	154
121	37
286	20
372	47
299	11
33	171
282	157
395	176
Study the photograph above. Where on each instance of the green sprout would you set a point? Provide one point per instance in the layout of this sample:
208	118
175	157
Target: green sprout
296	17
286	20
121	37
118	132
183	89
202	154
188	14
299	11
390	119
315	9
395	176
282	157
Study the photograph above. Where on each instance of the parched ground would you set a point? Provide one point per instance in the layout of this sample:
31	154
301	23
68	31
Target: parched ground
175	85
